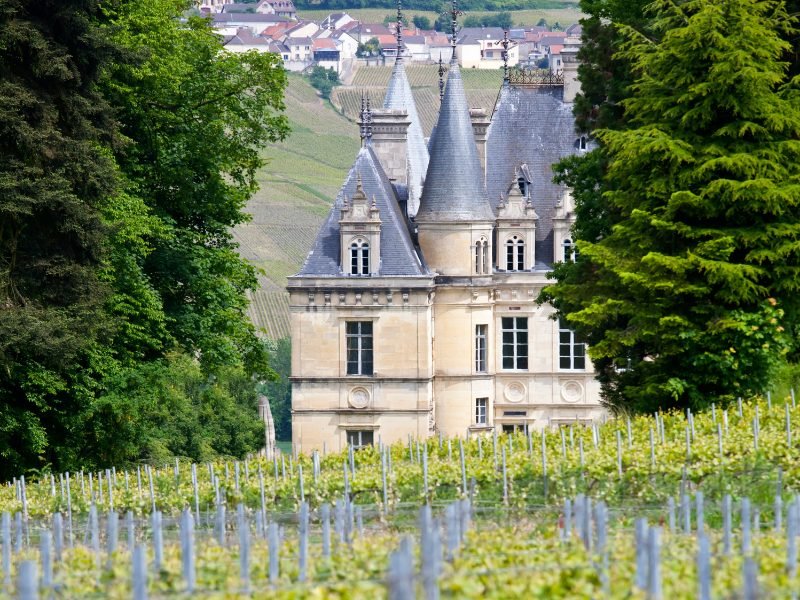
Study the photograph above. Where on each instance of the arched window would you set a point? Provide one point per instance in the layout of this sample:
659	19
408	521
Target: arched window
359	258
482	257
570	251
583	143
515	254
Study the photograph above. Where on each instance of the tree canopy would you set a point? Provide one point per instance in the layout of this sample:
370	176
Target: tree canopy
130	146
689	214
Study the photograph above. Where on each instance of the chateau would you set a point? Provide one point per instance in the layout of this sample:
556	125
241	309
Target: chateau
415	311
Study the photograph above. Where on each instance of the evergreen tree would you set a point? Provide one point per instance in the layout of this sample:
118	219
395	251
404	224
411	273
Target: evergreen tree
681	291
55	178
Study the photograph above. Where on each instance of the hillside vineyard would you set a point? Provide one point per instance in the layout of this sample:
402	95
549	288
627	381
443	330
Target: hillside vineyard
415	312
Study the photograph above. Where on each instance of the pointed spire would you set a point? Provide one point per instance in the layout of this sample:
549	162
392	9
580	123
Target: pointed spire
368	123
454	188
400	47
400	97
363	119
441	79
505	57
453	13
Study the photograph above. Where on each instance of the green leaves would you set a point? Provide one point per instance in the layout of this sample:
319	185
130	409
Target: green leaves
129	143
700	210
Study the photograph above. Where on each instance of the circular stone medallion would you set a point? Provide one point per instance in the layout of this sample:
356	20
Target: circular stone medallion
572	391
515	392
359	398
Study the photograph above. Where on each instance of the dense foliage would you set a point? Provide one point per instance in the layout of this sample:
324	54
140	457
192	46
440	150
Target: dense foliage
324	80
689	213
130	145
279	389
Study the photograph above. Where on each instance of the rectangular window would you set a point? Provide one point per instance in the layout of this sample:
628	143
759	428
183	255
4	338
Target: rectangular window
359	438
481	334
571	352
359	348
515	342
481	405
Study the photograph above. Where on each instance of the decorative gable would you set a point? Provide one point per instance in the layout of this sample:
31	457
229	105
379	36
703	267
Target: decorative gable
360	230
516	225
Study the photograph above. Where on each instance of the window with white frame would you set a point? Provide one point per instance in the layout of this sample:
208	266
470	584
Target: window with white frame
515	342
359	258
481	334
571	351
481	408
570	251
359	348
515	254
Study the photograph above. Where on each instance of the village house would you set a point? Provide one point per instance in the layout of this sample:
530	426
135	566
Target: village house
482	48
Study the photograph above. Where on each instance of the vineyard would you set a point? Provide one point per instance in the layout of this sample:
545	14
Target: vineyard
481	86
673	505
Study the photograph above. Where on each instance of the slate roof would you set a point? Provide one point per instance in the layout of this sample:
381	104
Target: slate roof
399	96
454	188
531	126
473	35
398	256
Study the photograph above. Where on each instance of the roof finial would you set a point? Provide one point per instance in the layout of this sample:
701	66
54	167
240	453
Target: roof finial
505	57
363	119
368	123
453	13
400	47
441	79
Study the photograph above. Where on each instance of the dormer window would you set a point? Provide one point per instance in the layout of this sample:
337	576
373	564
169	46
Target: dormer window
359	258
515	254
523	186
582	143
570	251
360	234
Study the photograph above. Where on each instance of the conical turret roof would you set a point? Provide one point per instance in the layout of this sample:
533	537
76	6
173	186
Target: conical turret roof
399	97
454	188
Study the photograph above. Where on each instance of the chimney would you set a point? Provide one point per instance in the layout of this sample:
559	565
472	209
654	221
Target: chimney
390	142
480	127
569	60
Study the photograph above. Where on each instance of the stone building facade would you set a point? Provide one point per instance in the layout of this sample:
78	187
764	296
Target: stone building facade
415	311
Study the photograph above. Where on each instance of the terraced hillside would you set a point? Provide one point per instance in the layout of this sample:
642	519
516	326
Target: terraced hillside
305	172
298	184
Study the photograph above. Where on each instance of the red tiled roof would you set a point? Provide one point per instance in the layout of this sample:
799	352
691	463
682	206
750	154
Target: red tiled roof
323	44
